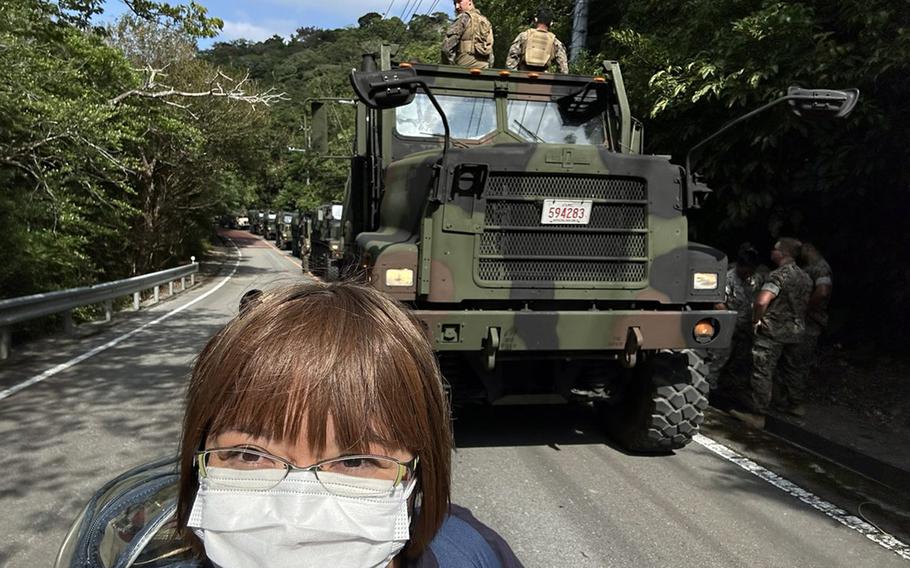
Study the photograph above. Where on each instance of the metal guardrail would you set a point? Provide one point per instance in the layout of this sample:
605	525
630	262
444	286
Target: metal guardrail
16	310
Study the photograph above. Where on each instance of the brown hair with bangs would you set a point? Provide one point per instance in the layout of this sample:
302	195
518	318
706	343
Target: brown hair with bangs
307	352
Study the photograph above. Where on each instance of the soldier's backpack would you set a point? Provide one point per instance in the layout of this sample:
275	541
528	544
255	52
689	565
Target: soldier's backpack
539	48
480	34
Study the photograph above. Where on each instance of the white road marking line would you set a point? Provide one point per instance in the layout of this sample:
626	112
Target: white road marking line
76	360
850	521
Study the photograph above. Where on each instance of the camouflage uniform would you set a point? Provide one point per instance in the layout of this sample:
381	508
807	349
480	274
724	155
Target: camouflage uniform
459	46
776	343
516	59
736	361
816	321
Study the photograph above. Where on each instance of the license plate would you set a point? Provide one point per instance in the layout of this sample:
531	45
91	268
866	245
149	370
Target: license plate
565	212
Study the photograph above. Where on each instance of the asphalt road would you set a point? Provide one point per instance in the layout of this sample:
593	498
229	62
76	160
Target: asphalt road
544	477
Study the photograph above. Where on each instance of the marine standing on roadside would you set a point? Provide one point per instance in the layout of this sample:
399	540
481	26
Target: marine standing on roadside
739	295
779	320
537	48
819	271
469	40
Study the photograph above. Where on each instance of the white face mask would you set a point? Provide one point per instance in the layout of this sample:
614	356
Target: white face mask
298	523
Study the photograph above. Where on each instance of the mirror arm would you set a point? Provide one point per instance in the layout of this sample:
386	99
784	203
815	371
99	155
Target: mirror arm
847	99
689	173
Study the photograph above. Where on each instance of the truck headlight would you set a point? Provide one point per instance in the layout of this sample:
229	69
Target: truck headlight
704	281
705	330
334	246
399	277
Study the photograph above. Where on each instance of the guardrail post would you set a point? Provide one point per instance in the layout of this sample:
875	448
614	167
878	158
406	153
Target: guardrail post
108	310
182	283
136	301
69	326
192	280
170	288
5	341
157	292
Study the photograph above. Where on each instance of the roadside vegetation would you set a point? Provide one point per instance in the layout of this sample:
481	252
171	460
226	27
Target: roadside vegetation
118	146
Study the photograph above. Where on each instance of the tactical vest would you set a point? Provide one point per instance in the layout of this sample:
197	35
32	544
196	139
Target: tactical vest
539	48
476	41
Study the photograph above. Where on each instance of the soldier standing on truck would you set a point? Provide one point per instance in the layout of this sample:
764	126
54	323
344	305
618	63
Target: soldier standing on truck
779	320
537	48
469	40
729	367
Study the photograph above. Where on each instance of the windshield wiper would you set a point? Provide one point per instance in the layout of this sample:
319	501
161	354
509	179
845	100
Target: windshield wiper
529	131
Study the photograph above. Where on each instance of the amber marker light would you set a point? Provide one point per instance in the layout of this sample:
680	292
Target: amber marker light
600	80
533	75
404	65
704	331
505	73
475	71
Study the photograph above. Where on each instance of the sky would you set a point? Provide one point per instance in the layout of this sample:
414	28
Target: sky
256	20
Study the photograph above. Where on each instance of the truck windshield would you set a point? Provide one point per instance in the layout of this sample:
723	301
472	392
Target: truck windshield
335	229
541	121
470	118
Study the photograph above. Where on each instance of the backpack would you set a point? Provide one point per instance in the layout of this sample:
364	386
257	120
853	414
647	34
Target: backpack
480	34
539	48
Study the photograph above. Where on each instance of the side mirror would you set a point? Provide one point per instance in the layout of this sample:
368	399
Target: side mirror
319	127
822	103
385	89
814	103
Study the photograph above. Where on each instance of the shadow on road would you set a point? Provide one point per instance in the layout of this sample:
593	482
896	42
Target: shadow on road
550	425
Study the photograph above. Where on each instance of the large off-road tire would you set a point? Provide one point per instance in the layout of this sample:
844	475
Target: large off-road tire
664	403
332	272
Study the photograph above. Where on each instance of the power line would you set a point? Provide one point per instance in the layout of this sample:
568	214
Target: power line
389	9
432	6
414	12
405	11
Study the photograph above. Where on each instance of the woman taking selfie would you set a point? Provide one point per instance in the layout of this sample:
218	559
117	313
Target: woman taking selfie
317	433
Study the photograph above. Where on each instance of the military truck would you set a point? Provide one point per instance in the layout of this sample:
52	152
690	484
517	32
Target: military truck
543	252
285	228
268	225
322	251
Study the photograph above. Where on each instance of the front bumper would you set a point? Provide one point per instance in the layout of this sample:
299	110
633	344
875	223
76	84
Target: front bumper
606	330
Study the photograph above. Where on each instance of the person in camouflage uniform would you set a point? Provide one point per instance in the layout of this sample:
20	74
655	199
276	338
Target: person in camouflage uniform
779	320
469	40
537	48
791	397
730	365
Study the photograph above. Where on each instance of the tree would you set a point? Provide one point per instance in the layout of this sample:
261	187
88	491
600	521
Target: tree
691	66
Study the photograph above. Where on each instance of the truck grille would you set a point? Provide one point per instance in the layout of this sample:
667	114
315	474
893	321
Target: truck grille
515	247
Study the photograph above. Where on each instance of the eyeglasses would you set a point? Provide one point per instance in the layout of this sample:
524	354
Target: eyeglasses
354	475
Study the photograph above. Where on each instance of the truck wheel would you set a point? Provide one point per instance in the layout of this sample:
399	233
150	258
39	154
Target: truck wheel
664	403
332	272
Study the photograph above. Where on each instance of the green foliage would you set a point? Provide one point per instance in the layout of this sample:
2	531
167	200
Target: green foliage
65	191
99	185
316	63
690	66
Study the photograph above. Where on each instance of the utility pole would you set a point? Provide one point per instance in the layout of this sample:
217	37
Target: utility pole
579	29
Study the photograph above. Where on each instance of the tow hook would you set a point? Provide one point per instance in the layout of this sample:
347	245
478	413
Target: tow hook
634	340
490	347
